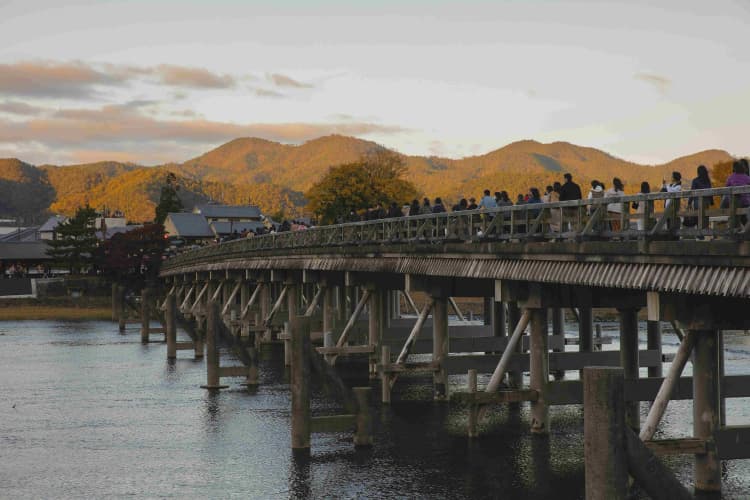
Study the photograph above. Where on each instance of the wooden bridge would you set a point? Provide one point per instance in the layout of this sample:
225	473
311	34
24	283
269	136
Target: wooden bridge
343	288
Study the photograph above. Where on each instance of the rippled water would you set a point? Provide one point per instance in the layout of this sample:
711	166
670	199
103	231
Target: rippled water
88	413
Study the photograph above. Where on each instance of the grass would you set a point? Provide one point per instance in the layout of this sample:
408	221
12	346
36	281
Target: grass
53	313
56	308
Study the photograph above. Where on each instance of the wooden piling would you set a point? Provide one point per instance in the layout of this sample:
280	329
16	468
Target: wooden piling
629	361
706	408
145	314
605	456
385	377
558	331
213	319
328	309
653	339
363	430
300	333
287	345
585	331
375	328
498	319
473	407
539	370
171	326
440	347
515	377
121	308
115	303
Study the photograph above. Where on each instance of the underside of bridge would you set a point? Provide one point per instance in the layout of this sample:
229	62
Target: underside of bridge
373	302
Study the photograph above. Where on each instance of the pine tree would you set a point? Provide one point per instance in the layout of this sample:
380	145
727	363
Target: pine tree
168	199
75	240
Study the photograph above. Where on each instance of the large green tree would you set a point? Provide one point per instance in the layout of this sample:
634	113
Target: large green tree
75	241
374	178
169	201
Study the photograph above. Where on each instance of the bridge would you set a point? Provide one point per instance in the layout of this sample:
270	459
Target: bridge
343	288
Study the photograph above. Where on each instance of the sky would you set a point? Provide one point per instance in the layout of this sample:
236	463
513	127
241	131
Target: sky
161	81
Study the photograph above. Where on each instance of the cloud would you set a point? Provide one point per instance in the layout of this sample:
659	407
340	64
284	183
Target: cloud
125	128
285	81
268	93
78	80
20	108
49	79
661	83
197	78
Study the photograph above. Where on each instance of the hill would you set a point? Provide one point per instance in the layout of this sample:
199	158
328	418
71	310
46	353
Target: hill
275	176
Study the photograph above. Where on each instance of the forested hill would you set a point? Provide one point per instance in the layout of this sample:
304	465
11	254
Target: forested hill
274	175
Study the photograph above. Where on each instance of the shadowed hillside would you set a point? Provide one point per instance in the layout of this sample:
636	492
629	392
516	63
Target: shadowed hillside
275	176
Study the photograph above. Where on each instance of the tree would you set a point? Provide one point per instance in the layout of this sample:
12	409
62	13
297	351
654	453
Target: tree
75	240
133	257
375	178
168	200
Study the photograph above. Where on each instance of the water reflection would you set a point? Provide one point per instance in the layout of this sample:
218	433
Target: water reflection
299	474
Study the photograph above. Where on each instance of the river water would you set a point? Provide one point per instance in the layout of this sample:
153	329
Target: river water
88	413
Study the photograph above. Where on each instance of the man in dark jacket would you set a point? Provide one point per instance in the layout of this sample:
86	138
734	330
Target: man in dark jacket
570	190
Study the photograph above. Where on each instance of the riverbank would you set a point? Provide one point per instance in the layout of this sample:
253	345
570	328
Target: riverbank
56	308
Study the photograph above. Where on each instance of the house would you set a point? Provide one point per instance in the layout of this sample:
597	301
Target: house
229	213
47	230
187	226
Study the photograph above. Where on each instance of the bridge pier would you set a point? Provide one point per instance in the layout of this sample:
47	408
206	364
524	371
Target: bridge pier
171	325
629	360
558	332
213	318
375	326
146	294
706	408
515	376
440	346
585	331
539	370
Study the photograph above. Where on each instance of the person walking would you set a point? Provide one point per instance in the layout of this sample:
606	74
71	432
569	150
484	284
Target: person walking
614	210
569	191
674	186
702	181
640	207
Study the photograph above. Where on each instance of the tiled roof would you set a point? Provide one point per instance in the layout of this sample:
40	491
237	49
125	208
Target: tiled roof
188	225
228	211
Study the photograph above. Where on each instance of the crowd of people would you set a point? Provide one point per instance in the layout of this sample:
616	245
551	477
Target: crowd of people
570	190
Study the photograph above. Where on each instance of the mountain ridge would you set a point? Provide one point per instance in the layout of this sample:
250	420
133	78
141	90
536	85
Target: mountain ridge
275	175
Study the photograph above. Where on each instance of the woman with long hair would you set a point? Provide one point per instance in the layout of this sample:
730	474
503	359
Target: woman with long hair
615	209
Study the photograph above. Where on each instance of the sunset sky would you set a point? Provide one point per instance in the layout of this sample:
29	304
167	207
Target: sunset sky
156	81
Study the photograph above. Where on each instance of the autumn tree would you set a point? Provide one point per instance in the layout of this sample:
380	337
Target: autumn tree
75	240
135	256
375	178
168	199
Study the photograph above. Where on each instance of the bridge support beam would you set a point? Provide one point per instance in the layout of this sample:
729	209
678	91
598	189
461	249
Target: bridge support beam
300	333
375	327
605	456
706	408
329	313
629	361
170	333
146	297
585	331
440	347
213	320
558	331
539	370
515	377
653	339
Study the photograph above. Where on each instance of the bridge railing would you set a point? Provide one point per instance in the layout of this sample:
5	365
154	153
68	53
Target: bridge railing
684	215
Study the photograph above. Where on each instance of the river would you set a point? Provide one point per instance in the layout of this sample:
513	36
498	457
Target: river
88	413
